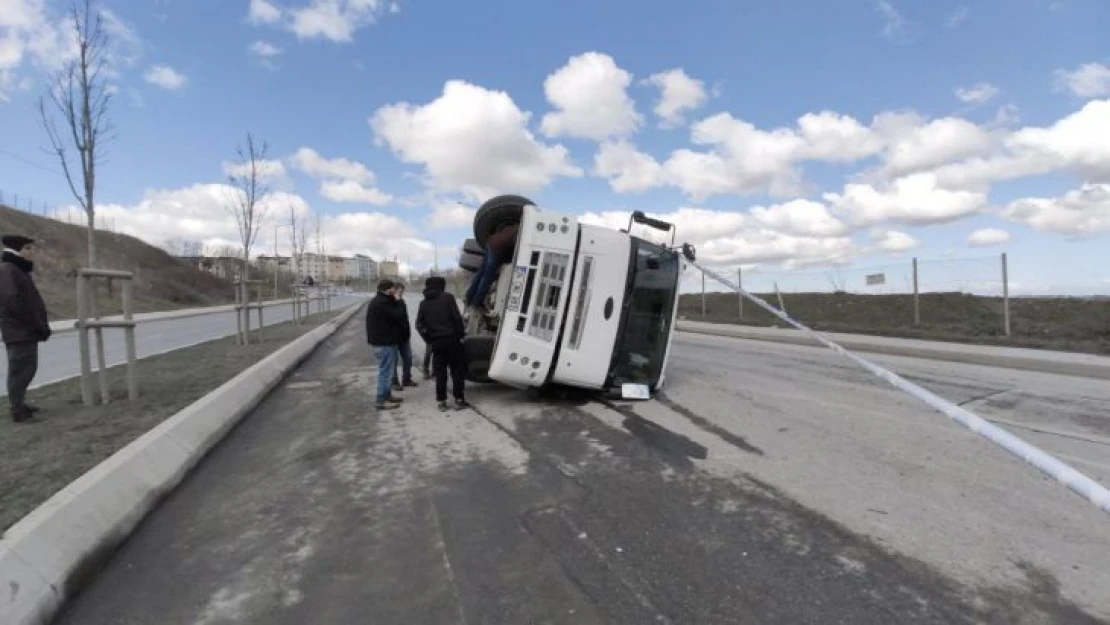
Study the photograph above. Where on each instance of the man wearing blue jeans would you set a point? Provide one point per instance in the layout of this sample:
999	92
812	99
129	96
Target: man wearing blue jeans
499	248
386	325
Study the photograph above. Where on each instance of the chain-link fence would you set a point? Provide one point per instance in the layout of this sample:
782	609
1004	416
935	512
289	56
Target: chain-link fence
958	298
64	213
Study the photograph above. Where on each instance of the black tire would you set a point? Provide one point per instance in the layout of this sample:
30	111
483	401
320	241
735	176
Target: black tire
470	245
503	209
479	351
471	262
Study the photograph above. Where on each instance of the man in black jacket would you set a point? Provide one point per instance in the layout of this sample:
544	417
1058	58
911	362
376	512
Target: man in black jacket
386	323
23	321
441	326
404	348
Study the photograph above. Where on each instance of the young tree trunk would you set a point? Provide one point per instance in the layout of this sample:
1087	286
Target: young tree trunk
246	311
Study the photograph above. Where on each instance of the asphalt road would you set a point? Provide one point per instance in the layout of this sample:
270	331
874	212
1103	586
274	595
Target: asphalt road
770	484
59	358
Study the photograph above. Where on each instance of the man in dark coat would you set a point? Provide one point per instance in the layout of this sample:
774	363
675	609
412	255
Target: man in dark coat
441	326
404	349
23	321
385	328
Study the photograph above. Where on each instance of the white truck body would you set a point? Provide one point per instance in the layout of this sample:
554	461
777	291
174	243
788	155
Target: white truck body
583	306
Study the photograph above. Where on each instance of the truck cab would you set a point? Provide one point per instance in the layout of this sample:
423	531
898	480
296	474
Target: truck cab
576	304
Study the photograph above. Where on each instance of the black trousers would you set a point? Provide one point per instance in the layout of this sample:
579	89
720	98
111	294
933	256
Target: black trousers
23	364
449	355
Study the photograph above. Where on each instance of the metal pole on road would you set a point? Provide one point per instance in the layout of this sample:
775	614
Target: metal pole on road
1075	481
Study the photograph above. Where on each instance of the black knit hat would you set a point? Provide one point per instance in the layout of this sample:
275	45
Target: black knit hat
15	241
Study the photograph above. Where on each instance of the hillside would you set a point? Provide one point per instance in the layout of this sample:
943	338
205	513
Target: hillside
162	282
1064	323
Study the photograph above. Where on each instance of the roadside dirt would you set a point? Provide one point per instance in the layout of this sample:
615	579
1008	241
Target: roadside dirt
39	458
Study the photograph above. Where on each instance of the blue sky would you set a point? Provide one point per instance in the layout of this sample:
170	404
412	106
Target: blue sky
909	103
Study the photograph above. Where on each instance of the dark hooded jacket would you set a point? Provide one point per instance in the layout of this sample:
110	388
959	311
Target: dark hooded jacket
438	319
386	321
22	310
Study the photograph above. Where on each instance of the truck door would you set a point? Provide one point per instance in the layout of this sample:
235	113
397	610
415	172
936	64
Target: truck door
533	316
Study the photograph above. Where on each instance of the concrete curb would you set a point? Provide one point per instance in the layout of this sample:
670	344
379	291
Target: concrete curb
1041	361
49	554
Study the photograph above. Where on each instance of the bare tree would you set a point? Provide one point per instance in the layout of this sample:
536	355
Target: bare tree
298	238
80	94
248	178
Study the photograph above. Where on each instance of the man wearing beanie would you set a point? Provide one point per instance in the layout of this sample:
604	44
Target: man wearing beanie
23	321
441	326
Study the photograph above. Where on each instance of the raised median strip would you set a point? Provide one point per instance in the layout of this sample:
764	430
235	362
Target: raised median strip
1041	361
50	553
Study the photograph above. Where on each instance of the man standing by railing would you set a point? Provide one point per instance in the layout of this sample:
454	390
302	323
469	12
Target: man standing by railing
23	321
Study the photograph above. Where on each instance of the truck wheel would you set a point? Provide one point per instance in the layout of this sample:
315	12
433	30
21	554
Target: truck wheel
479	351
470	245
496	211
470	261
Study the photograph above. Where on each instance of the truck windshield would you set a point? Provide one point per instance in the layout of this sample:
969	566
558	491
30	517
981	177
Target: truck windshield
649	305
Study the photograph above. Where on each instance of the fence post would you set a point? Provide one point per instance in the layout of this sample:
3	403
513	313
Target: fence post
83	341
1005	295
740	283
916	296
703	294
129	338
782	304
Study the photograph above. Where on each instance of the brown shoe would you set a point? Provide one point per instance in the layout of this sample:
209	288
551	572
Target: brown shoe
393	400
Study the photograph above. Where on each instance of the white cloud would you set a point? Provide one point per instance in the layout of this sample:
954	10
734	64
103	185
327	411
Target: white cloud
268	169
761	235
678	93
1090	80
264	12
836	138
894	25
800	217
956	18
1074	143
448	215
591	95
351	191
310	162
915	199
165	77
264	50
627	168
1082	212
200	212
473	140
914	145
985	237
979	93
334	20
893	241
343	180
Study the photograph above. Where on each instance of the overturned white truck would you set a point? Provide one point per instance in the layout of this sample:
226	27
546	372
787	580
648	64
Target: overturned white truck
575	305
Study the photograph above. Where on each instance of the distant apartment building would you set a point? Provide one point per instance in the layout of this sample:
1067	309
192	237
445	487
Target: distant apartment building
389	269
361	268
269	263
